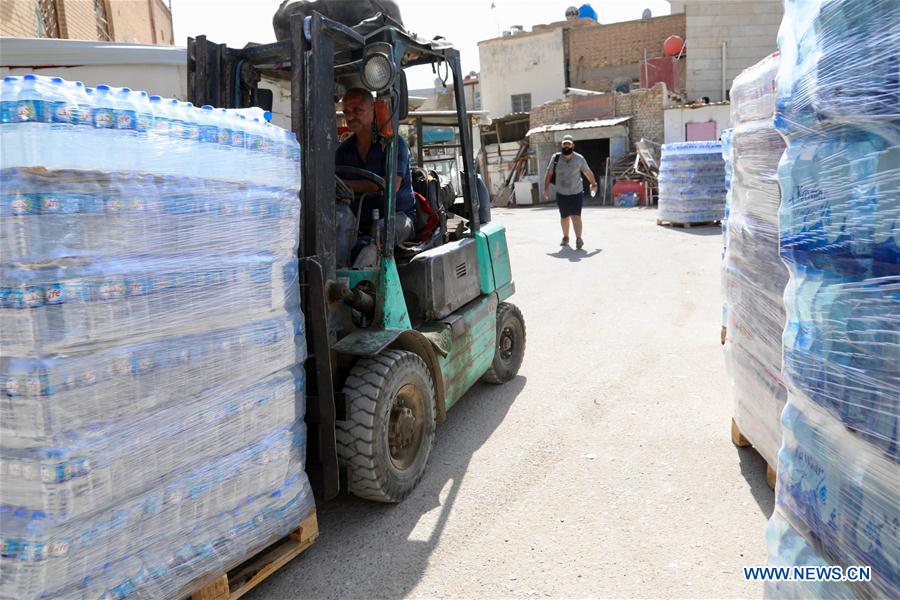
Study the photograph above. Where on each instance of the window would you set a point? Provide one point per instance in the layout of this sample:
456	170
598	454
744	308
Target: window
521	103
47	18
104	30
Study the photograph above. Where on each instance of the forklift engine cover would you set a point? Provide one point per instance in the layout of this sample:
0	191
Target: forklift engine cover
439	281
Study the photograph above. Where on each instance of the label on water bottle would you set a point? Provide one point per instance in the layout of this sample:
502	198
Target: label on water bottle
103	118
9	112
225	137
32	297
22	204
57	548
238	138
125	119
161	125
253	141
62	112
208	134
143	122
54	294
32	110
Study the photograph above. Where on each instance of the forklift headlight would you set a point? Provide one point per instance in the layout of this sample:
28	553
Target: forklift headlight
378	71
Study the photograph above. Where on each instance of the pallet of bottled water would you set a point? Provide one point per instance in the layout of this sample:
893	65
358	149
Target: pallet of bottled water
151	341
753	274
838	108
692	183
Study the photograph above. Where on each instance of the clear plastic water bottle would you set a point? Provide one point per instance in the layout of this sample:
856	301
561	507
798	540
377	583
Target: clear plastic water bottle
33	113
104	119
209	140
10	138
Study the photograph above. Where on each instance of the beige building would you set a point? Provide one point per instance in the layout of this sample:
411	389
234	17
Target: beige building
133	21
724	38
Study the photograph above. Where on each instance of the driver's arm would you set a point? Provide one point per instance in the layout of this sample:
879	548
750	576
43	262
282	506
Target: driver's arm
361	186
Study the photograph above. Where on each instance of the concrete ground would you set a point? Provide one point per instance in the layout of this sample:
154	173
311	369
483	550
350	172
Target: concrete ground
604	470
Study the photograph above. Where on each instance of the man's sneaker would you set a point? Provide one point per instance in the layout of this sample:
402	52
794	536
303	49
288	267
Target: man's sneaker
579	243
564	242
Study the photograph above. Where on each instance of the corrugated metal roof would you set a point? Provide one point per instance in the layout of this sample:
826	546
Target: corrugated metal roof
578	125
41	52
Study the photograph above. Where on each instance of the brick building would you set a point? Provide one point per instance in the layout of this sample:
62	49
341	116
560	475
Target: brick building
134	21
603	124
601	56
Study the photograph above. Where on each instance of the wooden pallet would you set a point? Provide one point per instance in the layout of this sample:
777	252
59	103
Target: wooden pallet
687	225
738	439
249	574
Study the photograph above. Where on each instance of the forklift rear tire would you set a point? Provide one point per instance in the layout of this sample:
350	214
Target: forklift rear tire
510	348
389	431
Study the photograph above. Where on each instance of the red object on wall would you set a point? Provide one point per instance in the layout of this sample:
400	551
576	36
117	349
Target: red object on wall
666	69
629	186
673	45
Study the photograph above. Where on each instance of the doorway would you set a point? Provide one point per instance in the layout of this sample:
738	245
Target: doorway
595	152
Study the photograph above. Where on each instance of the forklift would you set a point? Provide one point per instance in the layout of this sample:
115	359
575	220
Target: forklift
394	345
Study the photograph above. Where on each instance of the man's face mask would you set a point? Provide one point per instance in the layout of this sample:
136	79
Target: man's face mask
568	150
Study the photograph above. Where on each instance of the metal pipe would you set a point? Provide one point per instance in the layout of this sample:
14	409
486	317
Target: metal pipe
724	62
646	70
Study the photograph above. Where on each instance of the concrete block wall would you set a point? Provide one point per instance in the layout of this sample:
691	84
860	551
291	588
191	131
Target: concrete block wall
140	21
647	109
17	18
548	113
78	20
749	30
593	51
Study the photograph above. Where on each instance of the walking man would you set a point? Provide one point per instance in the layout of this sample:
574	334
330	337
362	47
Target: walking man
565	170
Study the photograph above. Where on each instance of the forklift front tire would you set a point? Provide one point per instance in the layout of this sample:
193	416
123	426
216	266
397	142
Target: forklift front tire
510	349
389	431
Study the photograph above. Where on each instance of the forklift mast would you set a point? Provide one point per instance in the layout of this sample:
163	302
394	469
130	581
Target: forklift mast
318	52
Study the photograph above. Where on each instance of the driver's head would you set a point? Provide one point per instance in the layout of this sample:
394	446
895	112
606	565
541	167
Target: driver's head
359	109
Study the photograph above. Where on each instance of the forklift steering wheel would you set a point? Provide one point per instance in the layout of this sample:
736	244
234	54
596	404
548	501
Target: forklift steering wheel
362	173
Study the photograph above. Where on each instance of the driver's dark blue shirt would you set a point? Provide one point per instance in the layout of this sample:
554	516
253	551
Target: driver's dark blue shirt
347	156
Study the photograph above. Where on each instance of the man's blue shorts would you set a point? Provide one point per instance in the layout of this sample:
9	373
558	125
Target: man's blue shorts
570	204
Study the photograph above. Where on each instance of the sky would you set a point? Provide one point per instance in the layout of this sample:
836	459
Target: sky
463	22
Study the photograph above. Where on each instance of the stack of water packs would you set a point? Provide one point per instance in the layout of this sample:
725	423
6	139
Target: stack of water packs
838	107
753	274
692	183
151	412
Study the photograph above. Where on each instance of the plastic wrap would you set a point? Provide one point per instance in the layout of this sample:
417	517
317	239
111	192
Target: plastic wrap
152	402
753	274
729	170
838	84
692	182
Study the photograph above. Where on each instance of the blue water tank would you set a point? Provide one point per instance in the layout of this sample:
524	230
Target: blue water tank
586	11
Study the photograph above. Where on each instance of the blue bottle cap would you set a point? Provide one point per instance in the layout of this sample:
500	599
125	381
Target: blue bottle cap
30	77
155	98
56	79
102	88
208	107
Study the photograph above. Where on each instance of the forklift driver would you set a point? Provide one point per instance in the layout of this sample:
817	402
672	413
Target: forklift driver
366	149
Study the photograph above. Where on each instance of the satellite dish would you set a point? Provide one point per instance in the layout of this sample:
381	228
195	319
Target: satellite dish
646	14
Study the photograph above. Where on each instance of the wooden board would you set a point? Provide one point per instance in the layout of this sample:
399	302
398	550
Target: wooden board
738	439
687	225
249	574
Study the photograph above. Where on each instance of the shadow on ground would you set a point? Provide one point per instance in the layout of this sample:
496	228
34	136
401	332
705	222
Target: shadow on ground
702	230
574	255
753	468
371	550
